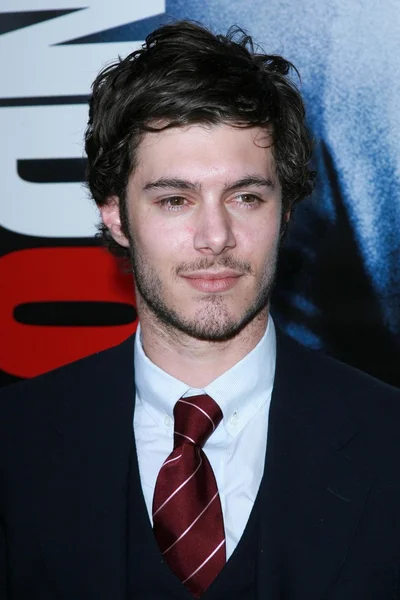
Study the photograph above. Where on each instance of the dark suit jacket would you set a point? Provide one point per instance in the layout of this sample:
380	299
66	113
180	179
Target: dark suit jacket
330	504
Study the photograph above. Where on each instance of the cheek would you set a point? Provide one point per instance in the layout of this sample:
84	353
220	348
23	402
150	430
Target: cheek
261	238
161	243
260	245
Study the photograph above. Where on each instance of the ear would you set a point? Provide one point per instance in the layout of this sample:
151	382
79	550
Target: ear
111	218
284	223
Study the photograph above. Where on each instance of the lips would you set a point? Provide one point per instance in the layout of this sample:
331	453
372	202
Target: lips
211	275
213	282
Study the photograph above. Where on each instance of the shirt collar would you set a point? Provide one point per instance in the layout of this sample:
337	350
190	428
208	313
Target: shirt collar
240	391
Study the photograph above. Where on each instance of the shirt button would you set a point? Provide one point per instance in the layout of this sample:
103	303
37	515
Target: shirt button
234	419
167	421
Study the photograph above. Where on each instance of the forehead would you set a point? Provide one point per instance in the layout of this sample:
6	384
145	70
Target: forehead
201	152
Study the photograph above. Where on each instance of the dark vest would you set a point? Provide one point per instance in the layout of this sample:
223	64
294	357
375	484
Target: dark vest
150	578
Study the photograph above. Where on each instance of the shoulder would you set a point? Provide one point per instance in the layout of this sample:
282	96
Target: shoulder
370	400
80	378
78	406
315	363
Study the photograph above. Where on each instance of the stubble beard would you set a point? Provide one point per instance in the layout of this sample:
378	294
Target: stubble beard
212	321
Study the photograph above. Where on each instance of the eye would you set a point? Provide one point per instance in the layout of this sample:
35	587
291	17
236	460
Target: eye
248	200
173	203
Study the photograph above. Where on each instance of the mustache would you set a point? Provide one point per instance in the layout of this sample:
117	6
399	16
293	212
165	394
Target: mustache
204	263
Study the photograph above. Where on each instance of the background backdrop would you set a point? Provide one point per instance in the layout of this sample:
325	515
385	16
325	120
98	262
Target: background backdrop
338	288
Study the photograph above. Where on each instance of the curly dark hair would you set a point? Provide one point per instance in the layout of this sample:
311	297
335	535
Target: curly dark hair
184	74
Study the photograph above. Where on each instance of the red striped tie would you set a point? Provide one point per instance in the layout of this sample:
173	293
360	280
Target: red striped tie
187	514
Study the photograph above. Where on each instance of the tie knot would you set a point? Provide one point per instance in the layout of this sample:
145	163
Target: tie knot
196	417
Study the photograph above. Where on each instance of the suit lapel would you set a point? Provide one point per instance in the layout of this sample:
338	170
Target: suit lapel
316	481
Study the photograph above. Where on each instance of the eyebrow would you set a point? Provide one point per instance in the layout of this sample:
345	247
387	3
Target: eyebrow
251	181
166	183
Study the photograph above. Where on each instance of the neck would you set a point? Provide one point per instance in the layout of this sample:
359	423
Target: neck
196	362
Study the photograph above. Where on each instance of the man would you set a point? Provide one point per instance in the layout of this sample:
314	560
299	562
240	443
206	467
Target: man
209	456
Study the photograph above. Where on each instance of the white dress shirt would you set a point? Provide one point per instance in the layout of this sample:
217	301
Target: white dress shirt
236	450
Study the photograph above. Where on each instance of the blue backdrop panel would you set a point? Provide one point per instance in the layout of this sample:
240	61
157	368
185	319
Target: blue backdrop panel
338	286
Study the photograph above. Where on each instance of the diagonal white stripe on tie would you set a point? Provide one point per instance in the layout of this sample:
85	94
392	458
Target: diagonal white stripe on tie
205	562
200	409
171	460
179	488
185	436
191	525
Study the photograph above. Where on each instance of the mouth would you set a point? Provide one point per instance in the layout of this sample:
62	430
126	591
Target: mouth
207	281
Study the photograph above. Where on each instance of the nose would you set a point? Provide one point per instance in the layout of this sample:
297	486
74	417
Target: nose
213	233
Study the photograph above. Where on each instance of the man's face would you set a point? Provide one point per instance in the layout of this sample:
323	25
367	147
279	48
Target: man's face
204	208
